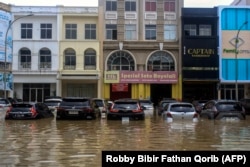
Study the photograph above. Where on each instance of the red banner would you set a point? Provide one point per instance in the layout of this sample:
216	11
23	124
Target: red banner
119	87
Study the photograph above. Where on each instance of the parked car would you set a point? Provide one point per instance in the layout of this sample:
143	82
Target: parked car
148	106
163	103
14	100
101	105
76	108
4	104
126	108
198	104
53	103
246	104
223	109
28	111
180	110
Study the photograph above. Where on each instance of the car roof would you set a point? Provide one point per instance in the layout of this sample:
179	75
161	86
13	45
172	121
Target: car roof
222	100
186	103
127	100
46	100
23	104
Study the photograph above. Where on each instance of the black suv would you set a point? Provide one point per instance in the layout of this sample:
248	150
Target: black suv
129	108
76	107
223	109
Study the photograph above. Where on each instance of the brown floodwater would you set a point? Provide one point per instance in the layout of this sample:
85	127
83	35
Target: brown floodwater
51	143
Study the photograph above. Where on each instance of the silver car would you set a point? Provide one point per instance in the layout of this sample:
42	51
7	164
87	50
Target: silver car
148	107
180	111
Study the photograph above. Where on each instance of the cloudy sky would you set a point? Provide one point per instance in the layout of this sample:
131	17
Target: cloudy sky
187	3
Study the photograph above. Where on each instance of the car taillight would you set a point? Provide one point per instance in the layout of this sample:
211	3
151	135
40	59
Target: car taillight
8	111
195	115
104	110
114	110
33	111
169	115
89	110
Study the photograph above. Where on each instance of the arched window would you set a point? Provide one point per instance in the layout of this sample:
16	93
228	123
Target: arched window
69	59
45	58
121	60
90	59
25	58
161	61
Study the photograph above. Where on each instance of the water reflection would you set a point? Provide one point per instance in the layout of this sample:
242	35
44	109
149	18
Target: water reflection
48	142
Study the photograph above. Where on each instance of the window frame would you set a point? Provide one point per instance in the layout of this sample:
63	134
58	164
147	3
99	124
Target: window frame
169	5
90	31
150	5
130	32
45	58
130	5
190	29
111	31
25	58
70	31
90	59
205	30
26	30
111	5
46	31
170	32
150	32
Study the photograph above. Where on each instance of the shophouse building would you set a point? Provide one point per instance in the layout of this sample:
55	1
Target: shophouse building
234	51
6	77
141	48
200	60
55	52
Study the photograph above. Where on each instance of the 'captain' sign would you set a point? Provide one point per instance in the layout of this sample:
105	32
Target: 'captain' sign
141	77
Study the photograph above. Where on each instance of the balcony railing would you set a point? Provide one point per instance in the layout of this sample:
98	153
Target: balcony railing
45	65
25	65
89	67
7	68
69	67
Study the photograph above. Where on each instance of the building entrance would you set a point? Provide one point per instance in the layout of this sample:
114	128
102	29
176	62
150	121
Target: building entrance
160	91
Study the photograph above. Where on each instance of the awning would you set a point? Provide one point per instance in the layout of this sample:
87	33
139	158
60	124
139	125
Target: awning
79	77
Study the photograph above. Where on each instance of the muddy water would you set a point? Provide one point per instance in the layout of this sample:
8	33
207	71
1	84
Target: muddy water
51	143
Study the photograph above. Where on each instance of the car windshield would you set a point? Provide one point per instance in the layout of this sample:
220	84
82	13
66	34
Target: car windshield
145	102
229	107
21	107
52	102
75	102
99	103
3	101
182	108
125	105
164	103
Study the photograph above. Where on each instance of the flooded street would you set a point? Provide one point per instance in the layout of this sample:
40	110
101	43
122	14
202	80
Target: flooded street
52	143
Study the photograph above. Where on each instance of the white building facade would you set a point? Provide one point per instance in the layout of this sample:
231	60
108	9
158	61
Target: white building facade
45	44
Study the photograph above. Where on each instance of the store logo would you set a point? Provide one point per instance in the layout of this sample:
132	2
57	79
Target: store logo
236	42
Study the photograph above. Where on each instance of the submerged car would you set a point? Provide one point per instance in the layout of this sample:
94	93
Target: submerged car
76	108
223	109
102	107
53	103
148	106
28	111
180	110
4	104
163	103
198	104
126	108
246	104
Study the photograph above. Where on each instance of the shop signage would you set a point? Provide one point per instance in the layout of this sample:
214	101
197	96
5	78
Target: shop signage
200	52
140	77
119	87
